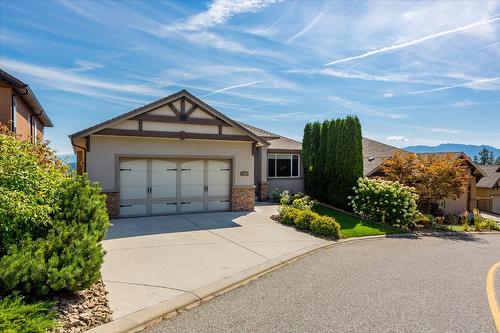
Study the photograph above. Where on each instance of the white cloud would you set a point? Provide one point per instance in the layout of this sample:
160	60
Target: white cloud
445	130
388	94
365	109
308	27
397	138
219	12
61	78
233	87
418	40
84	66
210	39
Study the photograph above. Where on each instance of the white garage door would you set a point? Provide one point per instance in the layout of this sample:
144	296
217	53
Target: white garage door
495	206
164	186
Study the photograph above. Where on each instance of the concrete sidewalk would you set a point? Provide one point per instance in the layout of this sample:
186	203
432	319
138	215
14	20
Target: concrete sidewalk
153	259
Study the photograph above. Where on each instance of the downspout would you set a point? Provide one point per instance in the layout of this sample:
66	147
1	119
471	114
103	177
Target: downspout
31	124
84	156
12	104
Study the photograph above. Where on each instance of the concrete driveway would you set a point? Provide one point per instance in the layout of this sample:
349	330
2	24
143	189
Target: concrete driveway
153	259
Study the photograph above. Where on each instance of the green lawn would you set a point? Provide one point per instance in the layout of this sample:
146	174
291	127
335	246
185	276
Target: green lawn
352	226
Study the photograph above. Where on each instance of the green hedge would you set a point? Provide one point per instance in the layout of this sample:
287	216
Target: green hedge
309	221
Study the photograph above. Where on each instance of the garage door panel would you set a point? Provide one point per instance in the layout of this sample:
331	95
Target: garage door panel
163	179
192	179
191	206
133	179
218	204
495	204
218	180
167	207
133	208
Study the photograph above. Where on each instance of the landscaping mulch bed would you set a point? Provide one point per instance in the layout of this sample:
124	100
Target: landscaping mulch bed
83	310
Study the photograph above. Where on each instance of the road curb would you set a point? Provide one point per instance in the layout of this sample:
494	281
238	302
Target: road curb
139	320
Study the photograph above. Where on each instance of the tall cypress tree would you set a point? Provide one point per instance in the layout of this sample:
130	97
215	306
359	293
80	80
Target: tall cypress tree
331	161
315	139
322	183
306	156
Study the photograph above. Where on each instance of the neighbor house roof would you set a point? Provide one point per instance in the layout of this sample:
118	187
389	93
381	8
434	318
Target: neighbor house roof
160	102
492	176
375	153
27	95
276	141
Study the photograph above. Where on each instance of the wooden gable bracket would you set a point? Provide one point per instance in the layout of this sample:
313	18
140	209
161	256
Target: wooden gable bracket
254	148
174	109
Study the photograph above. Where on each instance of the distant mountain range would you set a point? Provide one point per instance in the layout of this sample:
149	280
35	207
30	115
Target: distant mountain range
470	150
69	159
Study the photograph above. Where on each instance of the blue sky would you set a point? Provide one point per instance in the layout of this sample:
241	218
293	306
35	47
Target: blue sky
414	72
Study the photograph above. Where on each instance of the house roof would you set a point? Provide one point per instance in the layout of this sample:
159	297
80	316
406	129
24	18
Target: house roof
492	176
375	153
160	102
276	141
27	95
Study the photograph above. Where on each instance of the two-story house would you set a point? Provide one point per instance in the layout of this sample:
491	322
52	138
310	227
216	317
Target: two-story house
20	110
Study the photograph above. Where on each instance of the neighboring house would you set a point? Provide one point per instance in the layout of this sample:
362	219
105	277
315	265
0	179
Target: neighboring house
20	110
178	154
488	189
375	153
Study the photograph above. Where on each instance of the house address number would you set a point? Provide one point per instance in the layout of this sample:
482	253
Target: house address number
244	173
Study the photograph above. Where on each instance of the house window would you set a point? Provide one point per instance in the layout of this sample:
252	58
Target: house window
282	165
14	113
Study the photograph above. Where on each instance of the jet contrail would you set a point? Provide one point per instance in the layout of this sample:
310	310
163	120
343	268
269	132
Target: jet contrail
233	87
490	19
456	85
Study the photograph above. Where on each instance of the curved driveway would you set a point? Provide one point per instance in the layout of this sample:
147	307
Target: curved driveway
426	284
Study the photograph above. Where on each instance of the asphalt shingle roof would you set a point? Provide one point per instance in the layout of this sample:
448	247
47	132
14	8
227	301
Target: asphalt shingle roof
492	176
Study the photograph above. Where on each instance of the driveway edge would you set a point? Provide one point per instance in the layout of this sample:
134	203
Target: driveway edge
139	320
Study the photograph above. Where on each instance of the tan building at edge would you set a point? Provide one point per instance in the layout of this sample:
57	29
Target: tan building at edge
20	110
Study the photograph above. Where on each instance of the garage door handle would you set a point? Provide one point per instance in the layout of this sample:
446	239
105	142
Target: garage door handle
171	203
225	169
171	169
125	205
185	169
185	202
125	169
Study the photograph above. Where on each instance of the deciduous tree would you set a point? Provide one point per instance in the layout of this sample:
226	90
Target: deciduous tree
435	177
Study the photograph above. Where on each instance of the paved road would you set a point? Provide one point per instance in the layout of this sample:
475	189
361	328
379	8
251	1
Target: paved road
428	284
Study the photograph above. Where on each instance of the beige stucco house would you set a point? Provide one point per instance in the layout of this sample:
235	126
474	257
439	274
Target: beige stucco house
178	154
488	189
375	153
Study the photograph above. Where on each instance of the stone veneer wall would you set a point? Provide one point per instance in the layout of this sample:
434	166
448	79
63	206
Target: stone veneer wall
113	203
243	198
263	192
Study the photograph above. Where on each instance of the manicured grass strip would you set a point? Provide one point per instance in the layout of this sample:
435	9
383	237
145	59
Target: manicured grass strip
20	315
352	226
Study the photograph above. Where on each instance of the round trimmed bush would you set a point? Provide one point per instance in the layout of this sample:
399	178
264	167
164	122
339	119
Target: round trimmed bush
304	219
288	215
325	226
